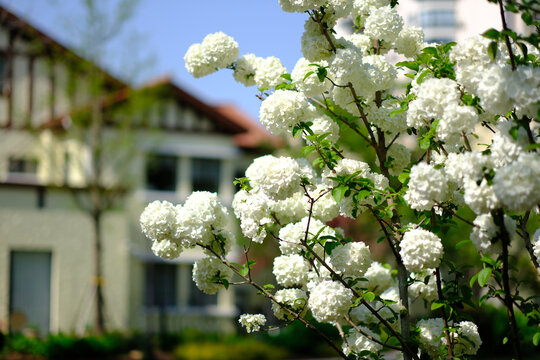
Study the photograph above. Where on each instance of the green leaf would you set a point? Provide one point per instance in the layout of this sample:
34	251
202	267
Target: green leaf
492	34
409	65
424	142
473	279
369	296
505	340
463	242
436	304
403	177
483	276
308	74
492	50
339	192
532	147
488	260
527	18
536	339
286	76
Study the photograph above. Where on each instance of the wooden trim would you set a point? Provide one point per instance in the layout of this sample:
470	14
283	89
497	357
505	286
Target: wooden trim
9	78
52	86
31	65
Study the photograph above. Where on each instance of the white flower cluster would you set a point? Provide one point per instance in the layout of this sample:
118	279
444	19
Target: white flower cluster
346	167
300	5
352	259
357	342
277	177
431	336
174	228
379	278
468	340
293	234
420	250
485	230
536	244
266	73
384	24
208	274
465	337
427	185
422	290
216	51
283	109
293	299
310	85
409	41
499	88
330	301
291	270
252	322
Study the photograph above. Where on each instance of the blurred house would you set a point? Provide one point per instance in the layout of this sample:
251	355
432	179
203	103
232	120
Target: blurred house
176	144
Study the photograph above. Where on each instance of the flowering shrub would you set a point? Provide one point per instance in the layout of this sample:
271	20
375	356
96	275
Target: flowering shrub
414	193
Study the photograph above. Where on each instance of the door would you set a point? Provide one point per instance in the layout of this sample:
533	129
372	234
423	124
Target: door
30	291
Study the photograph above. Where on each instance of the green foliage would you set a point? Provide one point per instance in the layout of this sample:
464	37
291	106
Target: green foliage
248	349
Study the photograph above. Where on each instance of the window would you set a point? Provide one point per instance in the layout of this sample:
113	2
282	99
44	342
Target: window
205	174
3	72
437	18
22	165
160	285
161	172
22	170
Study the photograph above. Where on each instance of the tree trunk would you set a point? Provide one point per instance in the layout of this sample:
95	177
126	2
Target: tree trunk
98	274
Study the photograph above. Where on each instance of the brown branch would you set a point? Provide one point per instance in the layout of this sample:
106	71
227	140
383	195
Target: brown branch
371	337
445	321
508	300
506	37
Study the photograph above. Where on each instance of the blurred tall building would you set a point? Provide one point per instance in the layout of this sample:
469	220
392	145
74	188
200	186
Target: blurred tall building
454	20
176	144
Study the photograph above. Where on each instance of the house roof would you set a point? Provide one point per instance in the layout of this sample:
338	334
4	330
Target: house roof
23	28
247	133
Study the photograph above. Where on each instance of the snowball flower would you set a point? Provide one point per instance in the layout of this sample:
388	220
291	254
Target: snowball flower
517	185
456	118
166	249
409	41
419	289
277	177
217	50
427	185
268	72
294	299
536	244
309	84
252	209
420	250
358	342
290	270
208	268
431	333
300	5
329	301
244	71
293	234
480	197
383	24
351	259
252	322
468	340
158	220
283	109
378	278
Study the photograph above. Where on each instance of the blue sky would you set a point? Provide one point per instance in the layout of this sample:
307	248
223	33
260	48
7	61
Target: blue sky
164	30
